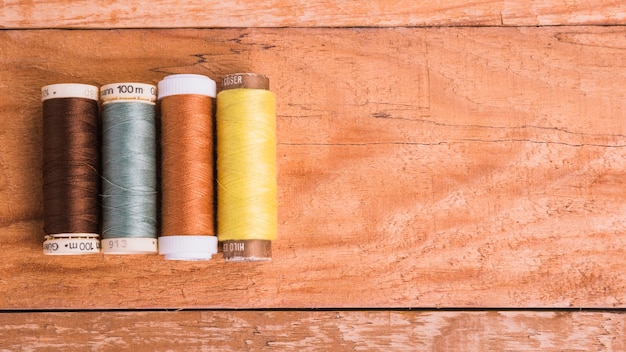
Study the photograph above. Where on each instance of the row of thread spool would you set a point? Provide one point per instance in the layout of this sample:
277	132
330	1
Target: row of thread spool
114	190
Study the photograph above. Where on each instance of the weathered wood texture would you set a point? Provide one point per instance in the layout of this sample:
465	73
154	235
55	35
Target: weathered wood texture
329	13
313	331
441	167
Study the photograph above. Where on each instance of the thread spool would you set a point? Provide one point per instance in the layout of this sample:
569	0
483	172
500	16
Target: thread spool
187	213
246	167
71	169
129	168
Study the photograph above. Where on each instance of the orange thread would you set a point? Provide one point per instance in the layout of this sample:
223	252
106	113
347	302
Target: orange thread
187	165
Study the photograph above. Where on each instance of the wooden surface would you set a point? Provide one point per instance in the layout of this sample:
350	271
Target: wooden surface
472	163
417	168
313	331
300	13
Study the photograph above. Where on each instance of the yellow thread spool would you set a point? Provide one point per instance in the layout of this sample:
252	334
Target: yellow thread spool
246	168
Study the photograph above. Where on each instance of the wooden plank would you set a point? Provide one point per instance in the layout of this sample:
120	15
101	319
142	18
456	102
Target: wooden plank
328	13
440	167
314	331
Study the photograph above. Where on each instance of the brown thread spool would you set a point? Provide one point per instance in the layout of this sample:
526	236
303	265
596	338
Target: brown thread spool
250	249
187	212
71	169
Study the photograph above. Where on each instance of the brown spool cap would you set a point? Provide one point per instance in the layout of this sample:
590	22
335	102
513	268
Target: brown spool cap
246	250
246	80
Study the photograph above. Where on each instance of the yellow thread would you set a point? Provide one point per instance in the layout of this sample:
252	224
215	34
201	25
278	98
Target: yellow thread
246	165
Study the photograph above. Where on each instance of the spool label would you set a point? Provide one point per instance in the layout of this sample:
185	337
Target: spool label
247	250
246	80
237	248
69	90
116	244
64	246
128	91
131	245
232	80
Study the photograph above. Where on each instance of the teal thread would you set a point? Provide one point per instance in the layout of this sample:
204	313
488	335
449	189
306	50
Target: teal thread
129	170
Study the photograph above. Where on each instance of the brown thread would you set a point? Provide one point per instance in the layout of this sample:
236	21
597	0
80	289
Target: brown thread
70	166
187	166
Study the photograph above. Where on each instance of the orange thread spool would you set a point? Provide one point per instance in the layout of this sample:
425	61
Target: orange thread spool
187	171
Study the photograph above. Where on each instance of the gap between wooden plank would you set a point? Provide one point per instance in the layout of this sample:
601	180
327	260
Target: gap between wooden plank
364	309
539	26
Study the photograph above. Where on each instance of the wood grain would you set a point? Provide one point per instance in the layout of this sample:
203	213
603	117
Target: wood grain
298	13
435	167
313	331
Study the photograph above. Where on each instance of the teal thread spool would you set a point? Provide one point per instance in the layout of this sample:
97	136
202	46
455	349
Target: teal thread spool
129	169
